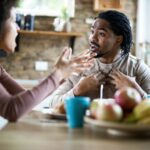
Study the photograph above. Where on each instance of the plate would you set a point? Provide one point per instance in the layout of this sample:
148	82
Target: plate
3	122
52	114
47	113
57	116
112	127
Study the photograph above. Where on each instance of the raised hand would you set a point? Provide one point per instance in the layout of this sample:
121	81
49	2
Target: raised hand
67	65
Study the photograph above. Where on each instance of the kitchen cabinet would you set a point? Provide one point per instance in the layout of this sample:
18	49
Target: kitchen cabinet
101	5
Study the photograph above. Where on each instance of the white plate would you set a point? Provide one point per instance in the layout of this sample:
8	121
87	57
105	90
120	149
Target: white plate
118	127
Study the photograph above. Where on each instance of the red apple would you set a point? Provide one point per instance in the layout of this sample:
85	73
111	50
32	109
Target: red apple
94	106
109	111
127	98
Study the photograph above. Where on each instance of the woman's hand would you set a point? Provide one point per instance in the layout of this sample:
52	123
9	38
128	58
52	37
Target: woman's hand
67	65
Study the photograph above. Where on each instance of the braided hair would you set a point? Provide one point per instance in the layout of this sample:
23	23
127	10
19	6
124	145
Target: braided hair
5	7
120	25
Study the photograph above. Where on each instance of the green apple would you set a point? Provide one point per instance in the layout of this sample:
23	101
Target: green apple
93	108
109	111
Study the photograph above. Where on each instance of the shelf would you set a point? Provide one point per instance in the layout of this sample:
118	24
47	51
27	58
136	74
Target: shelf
107	5
72	35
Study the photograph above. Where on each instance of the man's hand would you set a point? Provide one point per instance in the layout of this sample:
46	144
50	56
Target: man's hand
87	86
121	80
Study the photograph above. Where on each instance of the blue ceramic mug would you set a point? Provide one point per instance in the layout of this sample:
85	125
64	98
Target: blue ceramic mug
75	109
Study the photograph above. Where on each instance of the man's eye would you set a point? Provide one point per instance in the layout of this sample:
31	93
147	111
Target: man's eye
101	34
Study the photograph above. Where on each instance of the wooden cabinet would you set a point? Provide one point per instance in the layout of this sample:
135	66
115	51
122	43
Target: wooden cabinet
106	4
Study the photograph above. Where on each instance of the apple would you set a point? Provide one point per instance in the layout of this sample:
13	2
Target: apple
109	111
94	105
127	98
93	108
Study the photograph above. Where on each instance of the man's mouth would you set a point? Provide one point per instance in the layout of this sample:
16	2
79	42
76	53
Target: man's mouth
94	47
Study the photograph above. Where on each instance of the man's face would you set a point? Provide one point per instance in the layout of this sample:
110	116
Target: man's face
103	40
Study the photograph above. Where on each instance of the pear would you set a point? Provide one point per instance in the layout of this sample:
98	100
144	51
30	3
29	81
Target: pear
142	110
144	121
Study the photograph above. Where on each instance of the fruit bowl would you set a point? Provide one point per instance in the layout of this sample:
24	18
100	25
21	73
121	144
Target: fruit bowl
118	127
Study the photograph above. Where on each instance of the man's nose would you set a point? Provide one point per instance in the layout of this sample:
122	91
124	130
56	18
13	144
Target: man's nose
94	37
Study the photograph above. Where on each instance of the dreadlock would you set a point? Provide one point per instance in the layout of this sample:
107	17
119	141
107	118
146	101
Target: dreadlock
120	25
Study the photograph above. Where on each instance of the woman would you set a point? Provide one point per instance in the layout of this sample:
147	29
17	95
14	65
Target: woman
14	99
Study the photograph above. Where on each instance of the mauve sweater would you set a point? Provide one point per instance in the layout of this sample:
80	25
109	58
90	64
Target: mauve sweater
16	101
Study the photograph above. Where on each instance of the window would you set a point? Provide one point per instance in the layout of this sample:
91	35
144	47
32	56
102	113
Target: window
46	7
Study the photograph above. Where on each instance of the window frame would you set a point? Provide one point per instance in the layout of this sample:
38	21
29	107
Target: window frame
68	4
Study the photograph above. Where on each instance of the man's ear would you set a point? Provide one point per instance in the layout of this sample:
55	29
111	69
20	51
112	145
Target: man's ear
119	39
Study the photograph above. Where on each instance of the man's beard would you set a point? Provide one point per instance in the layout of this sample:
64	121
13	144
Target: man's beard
99	54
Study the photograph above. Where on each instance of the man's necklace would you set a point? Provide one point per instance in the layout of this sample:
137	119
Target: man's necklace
106	74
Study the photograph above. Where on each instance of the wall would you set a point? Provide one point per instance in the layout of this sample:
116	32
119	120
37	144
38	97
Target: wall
46	48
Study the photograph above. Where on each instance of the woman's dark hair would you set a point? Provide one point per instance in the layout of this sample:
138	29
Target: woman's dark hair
5	7
120	25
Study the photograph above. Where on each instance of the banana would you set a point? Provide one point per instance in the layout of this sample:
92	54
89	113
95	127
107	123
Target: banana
142	110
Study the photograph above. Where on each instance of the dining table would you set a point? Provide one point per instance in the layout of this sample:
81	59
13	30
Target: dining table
37	131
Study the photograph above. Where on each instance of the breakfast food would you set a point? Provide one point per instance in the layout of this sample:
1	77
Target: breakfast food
142	110
126	107
108	111
60	108
127	98
93	108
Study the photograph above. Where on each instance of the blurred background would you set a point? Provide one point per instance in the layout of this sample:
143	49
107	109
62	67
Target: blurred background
48	26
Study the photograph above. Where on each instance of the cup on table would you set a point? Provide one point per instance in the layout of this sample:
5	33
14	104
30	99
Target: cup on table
75	109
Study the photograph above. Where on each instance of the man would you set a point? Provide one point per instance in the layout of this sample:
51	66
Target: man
114	66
